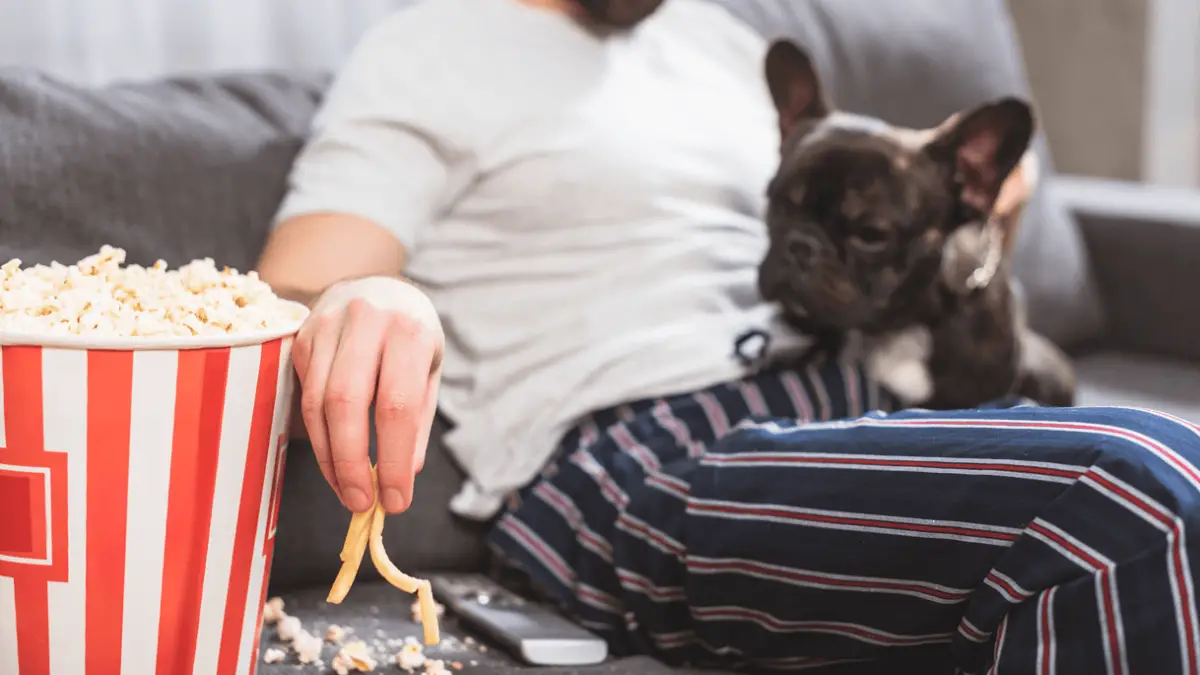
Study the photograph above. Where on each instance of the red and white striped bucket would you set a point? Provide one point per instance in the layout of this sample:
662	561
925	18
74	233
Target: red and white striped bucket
139	488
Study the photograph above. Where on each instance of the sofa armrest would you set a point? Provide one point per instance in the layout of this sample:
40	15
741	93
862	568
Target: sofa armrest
1144	243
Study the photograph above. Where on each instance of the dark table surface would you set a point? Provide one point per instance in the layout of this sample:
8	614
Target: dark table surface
381	617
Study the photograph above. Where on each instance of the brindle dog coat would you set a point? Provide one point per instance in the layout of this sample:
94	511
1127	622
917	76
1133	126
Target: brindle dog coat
900	240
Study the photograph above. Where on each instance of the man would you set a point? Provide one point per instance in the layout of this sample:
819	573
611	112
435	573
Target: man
544	218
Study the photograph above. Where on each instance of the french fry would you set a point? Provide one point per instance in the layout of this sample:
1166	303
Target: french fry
383	563
359	523
352	552
406	583
366	532
352	555
429	615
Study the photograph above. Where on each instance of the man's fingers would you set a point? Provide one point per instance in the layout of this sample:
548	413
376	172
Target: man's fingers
316	358
348	397
302	352
400	411
429	413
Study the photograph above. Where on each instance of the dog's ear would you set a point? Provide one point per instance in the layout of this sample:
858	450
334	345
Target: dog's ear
981	147
795	86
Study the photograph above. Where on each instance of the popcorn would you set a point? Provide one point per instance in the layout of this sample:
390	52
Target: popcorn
273	611
274	655
307	646
342	665
289	627
354	656
101	296
410	657
335	634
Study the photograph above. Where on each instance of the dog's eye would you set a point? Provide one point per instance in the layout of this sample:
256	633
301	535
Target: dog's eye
801	248
871	239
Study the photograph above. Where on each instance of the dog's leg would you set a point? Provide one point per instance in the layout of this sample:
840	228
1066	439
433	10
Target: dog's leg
1046	374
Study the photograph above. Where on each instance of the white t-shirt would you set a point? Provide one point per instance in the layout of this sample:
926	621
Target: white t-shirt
583	210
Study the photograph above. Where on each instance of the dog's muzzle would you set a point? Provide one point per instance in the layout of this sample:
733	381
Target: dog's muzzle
808	289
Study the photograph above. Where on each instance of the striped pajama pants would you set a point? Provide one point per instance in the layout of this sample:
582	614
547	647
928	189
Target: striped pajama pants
779	524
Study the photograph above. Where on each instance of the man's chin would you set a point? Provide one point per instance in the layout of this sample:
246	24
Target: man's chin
619	13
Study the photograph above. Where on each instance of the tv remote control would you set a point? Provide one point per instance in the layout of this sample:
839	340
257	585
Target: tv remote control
534	634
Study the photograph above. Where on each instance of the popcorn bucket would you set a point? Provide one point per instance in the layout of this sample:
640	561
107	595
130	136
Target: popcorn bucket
139	489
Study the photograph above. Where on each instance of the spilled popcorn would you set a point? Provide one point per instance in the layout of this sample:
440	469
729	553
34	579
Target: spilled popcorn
353	657
273	611
291	632
335	634
100	295
410	657
308	647
288	628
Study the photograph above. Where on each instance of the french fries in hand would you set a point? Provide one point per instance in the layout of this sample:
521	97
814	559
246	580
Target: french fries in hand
366	532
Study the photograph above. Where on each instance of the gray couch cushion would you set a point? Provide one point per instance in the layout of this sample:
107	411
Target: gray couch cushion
918	61
1124	379
178	169
183	169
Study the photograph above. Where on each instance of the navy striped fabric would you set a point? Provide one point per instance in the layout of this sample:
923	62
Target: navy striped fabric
739	527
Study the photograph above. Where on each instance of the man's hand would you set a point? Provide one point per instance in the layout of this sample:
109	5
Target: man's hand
368	340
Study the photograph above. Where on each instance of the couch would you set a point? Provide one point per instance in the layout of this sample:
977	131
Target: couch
194	166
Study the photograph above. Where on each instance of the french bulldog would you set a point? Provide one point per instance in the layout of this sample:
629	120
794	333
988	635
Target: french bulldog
898	242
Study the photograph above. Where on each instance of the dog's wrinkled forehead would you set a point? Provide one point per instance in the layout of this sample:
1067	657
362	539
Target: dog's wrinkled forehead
974	150
842	127
860	162
848	122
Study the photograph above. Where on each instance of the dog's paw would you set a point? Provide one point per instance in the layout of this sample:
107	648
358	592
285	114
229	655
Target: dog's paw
900	361
1046	373
908	379
912	343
